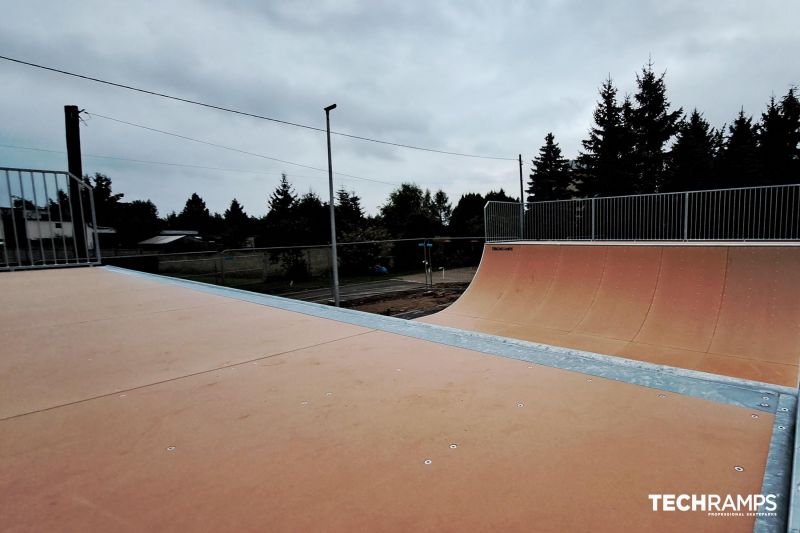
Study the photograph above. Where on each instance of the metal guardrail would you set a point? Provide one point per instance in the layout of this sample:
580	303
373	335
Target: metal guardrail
741	214
41	216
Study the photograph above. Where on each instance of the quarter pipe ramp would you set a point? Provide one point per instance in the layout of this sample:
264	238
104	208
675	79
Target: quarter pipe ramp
731	309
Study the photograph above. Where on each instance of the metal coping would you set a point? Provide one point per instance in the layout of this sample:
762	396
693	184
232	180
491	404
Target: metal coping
757	396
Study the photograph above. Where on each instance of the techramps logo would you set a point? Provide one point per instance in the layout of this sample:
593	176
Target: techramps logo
721	505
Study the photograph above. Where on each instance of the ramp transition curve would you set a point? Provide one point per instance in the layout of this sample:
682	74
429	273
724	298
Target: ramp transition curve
731	309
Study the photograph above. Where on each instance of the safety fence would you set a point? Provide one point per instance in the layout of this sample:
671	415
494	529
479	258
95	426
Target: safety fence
365	268
740	214
47	219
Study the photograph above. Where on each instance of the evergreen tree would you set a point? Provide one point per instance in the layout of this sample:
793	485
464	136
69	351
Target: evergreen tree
279	227
237	225
692	160
739	162
653	126
601	166
312	220
551	173
790	108
778	139
195	216
282	200
349	213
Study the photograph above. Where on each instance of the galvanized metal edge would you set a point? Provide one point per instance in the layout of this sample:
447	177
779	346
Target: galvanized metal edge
723	389
794	485
778	472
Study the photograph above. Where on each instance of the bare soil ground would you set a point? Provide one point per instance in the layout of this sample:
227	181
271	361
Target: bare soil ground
410	304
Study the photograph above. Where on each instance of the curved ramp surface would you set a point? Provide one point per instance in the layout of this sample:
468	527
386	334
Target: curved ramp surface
722	308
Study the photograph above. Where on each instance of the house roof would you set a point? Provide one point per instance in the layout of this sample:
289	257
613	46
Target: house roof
163	239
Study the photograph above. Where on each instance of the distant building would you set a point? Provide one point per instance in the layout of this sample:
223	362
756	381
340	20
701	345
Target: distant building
175	241
38	226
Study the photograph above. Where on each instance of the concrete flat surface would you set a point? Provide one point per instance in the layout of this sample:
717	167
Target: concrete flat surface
730	309
131	404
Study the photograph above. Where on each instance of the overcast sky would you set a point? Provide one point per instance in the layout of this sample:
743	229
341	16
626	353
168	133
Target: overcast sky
483	77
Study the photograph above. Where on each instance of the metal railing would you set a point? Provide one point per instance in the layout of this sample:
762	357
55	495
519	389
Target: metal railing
47	219
423	262
741	214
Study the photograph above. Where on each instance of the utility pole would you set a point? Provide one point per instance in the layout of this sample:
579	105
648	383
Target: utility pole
72	124
521	202
334	259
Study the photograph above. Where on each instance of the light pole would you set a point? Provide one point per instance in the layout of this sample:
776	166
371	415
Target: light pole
521	203
334	259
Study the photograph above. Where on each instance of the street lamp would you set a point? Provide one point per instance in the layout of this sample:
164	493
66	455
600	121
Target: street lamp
334	259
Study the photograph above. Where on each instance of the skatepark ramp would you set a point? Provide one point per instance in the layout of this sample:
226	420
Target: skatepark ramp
725	308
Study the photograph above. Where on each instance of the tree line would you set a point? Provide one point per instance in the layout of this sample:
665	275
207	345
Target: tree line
640	145
637	144
292	219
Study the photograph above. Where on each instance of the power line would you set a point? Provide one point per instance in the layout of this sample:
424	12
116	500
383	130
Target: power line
252	115
164	163
238	150
146	161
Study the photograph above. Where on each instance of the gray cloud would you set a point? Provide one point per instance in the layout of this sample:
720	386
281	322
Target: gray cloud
479	76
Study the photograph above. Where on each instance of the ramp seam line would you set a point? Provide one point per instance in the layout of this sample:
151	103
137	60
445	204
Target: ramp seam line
178	378
721	299
652	297
594	294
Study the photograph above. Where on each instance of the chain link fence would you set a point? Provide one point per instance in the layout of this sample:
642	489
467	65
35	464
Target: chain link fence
365	268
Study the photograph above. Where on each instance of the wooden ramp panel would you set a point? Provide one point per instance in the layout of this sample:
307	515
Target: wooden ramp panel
725	309
160	408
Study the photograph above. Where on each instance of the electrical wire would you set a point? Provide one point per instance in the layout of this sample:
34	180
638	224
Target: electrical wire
247	114
172	164
237	150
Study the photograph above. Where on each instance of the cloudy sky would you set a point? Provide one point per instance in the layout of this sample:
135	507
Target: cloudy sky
481	77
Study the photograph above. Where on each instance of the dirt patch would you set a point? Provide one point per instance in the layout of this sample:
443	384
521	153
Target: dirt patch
409	304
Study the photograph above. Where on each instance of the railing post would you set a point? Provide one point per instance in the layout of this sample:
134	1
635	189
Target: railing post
593	218
686	216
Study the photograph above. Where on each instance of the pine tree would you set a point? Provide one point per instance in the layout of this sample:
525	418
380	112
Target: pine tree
739	161
237	224
778	135
279	226
601	166
195	216
790	109
282	200
349	213
312	223
551	173
653	125
692	160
